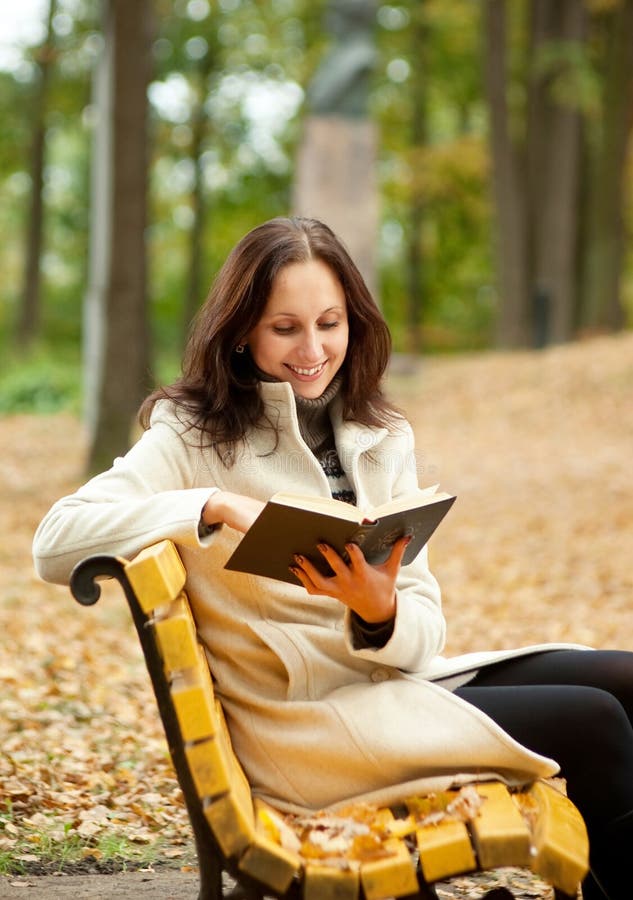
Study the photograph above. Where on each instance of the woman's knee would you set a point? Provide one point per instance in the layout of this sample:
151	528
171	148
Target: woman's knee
590	706
593	722
614	672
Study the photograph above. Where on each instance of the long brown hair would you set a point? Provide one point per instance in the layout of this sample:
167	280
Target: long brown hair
217	391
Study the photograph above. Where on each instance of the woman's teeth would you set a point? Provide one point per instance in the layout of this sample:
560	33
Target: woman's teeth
308	372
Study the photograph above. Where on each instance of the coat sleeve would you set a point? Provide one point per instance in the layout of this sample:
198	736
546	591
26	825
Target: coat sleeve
419	632
147	496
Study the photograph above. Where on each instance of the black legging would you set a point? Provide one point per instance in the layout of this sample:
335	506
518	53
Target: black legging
576	707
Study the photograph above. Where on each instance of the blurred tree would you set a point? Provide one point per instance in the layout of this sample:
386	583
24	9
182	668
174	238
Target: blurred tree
419	36
29	312
63	200
188	47
549	254
116	340
553	151
200	126
435	259
224	97
601	290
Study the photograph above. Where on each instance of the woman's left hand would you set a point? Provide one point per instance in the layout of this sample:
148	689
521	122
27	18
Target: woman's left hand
370	591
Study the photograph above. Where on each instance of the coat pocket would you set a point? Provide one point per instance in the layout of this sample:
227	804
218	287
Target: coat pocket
280	643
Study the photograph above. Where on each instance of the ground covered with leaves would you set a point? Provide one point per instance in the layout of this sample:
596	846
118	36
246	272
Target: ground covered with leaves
538	547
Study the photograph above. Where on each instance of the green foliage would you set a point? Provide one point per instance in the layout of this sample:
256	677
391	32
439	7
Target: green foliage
573	79
14	133
56	844
42	381
212	63
441	166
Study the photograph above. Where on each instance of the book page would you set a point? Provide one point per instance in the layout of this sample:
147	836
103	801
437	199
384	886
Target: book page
326	505
411	501
331	507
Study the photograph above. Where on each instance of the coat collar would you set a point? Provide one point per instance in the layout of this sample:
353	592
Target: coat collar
352	438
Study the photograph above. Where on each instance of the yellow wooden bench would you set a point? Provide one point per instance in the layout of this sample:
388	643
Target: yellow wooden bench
362	852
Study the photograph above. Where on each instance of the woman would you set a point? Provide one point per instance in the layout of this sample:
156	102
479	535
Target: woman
281	390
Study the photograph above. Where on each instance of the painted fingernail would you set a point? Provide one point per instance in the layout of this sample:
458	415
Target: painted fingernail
298	558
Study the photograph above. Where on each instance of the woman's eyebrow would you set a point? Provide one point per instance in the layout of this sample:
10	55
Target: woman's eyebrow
292	315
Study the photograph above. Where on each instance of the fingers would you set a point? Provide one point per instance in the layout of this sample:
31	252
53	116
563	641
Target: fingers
391	564
312	578
355	578
394	560
309	576
305	580
333	559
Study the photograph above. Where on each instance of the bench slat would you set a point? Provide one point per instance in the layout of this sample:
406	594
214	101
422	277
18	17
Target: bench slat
209	768
176	637
231	817
230	823
269	863
393	876
157	575
194	704
327	883
264	858
560	839
500	834
445	850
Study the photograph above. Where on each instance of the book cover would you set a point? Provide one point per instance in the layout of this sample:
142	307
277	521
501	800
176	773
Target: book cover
284	528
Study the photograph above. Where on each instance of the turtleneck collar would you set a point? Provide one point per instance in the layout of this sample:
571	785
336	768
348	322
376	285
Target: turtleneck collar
312	412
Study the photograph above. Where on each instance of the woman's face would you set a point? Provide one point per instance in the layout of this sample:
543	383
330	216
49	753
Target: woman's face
303	331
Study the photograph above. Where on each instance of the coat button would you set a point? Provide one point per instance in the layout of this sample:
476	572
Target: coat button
379	675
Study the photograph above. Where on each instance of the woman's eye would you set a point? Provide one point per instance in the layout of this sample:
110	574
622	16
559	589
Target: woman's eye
291	329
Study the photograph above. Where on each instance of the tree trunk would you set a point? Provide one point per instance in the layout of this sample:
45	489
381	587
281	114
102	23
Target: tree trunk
511	245
193	294
29	314
416	279
116	327
554	135
199	127
602	304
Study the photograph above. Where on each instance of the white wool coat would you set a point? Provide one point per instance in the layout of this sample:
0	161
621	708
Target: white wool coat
314	720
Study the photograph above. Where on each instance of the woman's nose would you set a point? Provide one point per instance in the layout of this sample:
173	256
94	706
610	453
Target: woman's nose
311	346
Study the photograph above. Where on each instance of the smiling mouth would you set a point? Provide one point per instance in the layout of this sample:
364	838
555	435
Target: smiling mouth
307	373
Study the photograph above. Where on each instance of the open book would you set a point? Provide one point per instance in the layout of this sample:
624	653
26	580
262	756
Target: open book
290	523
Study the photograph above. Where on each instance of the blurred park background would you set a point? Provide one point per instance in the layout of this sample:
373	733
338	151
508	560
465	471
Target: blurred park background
476	158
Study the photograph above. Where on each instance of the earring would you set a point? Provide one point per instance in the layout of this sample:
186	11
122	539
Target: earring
240	348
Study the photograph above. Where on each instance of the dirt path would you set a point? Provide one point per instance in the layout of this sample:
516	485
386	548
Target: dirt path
126	886
184	886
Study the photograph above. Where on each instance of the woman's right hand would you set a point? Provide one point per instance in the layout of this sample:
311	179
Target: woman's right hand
234	510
